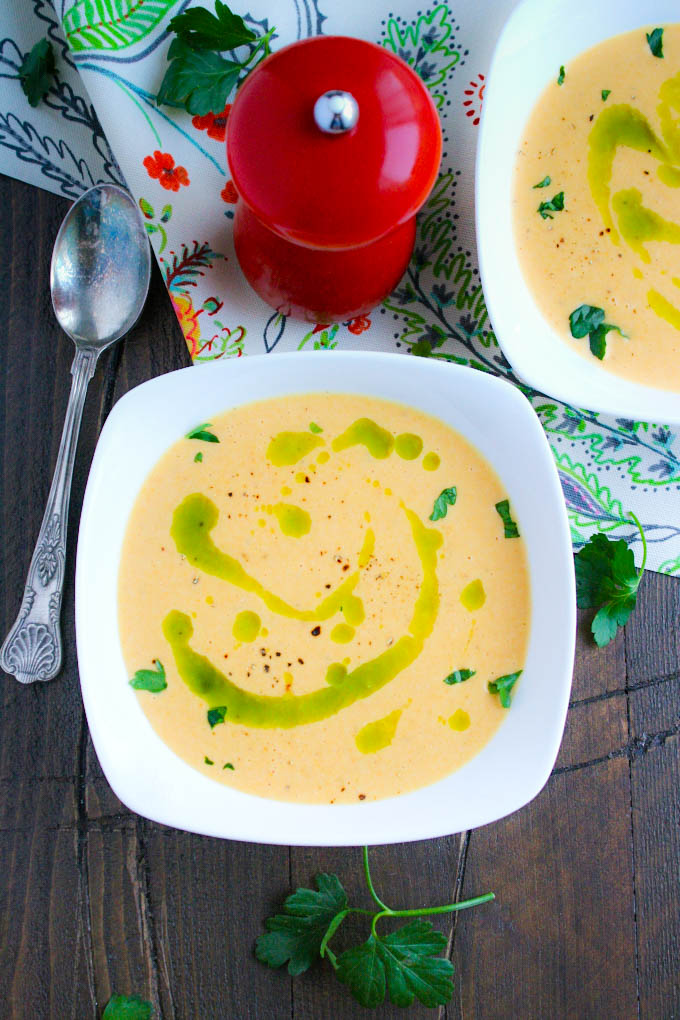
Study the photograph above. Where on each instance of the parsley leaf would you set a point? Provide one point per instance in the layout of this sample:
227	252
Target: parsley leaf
205	31
198	458
127	1007
458	676
313	427
445	499
503	685
404	964
587	320
606	94
37	69
544	183
208	761
199	78
556	204
228	765
655	40
201	432
561	76
295	936
150	679
510	529
607	580
216	715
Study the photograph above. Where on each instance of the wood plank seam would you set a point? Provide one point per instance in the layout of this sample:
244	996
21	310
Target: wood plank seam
641	686
634	749
85	906
636	940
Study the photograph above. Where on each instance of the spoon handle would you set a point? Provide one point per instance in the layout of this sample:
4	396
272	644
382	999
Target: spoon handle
32	649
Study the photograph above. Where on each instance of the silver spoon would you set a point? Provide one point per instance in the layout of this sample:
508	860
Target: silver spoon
99	280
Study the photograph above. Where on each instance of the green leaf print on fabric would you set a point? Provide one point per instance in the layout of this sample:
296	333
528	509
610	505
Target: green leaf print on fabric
112	24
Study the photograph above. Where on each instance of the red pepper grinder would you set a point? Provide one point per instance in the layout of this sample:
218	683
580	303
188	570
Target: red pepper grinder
333	144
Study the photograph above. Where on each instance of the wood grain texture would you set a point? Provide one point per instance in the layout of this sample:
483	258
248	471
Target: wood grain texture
95	900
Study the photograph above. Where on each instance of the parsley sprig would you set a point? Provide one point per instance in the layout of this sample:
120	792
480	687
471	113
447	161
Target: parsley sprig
606	580
37	70
588	320
403	964
127	1007
199	78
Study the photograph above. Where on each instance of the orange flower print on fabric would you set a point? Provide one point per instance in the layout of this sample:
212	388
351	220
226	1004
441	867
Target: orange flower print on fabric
474	95
359	324
161	167
229	192
214	123
188	319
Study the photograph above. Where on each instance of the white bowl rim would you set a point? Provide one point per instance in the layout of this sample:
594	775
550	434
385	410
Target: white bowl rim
536	352
149	778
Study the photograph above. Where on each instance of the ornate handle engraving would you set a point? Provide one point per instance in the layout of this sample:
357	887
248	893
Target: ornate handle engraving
32	649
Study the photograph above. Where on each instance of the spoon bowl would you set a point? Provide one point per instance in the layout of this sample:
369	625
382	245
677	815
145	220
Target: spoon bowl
99	280
100	269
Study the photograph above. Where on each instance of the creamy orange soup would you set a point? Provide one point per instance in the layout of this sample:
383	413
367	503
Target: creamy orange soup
597	205
315	594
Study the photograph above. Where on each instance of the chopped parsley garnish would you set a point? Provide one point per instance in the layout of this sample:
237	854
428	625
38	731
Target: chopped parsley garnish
606	580
127	1007
458	676
546	182
37	70
445	499
198	458
404	964
510	529
199	78
556	204
503	685
216	716
313	427
228	765
587	320
655	40
150	679
201	432
606	94
561	76
208	761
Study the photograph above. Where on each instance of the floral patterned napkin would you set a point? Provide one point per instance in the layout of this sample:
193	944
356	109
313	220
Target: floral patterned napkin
175	167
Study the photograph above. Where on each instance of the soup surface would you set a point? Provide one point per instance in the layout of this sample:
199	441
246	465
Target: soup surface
314	594
597	205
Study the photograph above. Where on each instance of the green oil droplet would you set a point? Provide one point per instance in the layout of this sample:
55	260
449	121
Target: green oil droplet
639	225
663	308
367	547
293	520
323	457
353	610
670	175
342	633
336	673
365	432
379	734
473	595
246	626
286	490
408	446
431	461
460	720
289	447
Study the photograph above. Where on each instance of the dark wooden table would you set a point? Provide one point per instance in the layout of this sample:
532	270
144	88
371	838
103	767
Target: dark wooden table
95	900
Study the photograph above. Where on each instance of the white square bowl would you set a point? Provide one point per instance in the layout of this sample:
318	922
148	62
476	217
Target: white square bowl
538	38
150	778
